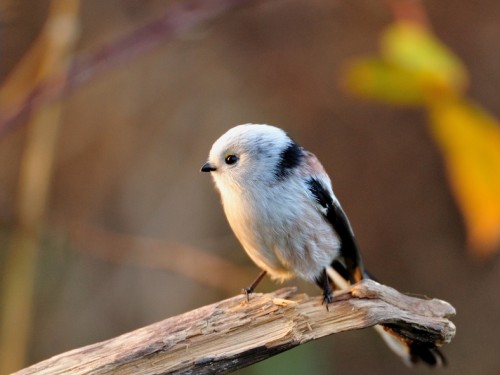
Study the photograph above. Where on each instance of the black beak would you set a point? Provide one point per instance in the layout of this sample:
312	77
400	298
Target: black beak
207	167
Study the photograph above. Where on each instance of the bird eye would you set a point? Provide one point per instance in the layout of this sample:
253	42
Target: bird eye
231	159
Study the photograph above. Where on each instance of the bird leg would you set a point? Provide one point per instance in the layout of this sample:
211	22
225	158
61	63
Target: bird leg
251	288
324	283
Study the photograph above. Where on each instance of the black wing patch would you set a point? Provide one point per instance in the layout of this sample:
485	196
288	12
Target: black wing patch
320	193
352	267
290	158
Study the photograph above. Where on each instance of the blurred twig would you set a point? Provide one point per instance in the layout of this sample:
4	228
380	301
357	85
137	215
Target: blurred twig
409	11
176	20
188	261
46	60
232	334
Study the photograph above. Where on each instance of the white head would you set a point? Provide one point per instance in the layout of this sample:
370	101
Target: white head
251	153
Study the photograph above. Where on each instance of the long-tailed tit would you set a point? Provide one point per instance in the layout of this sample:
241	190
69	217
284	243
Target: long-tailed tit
280	204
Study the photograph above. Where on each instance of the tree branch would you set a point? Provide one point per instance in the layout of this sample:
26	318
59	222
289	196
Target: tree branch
232	334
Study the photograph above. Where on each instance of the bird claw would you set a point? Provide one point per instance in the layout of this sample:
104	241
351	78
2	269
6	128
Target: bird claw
251	288
327	299
247	292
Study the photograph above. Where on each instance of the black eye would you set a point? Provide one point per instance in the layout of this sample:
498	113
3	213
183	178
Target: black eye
231	159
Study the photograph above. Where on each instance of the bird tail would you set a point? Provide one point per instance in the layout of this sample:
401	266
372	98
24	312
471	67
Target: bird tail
410	352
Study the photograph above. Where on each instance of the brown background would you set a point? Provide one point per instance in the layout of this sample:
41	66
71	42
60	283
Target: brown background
134	137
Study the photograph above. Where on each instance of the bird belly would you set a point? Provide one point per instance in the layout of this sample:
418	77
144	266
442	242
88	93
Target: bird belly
282	242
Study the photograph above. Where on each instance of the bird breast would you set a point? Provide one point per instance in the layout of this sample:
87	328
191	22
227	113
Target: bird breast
283	232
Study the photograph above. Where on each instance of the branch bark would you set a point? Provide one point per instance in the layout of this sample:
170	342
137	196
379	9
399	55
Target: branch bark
234	333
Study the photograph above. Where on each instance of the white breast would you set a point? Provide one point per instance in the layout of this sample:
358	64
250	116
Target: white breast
282	231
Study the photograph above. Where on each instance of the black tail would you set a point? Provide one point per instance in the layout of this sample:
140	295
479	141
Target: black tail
427	354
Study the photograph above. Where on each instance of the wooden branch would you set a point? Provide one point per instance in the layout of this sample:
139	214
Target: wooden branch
234	333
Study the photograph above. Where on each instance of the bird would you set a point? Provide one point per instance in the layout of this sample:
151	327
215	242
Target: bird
279	202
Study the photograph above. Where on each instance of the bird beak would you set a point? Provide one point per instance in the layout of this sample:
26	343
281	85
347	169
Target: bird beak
208	167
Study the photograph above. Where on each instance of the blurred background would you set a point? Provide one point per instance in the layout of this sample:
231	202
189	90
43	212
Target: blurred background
109	108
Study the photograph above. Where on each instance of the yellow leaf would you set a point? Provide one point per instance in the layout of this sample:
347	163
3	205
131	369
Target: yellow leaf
470	142
375	79
413	48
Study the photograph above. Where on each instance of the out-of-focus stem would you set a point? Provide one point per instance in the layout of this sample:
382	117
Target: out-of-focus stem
409	11
176	19
48	57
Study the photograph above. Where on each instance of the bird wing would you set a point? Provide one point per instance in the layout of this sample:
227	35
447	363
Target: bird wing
350	264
